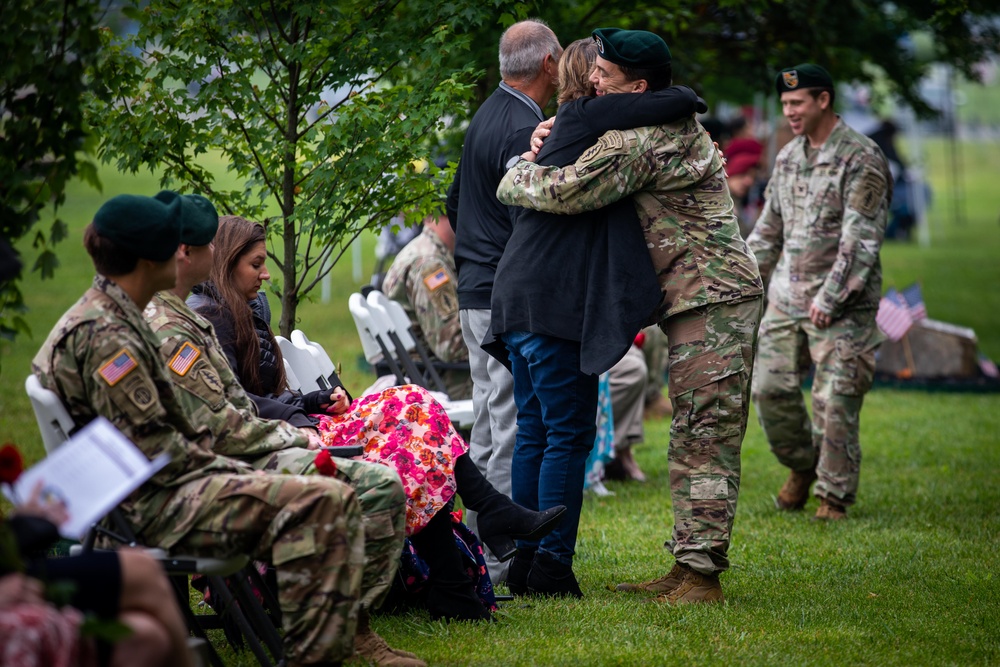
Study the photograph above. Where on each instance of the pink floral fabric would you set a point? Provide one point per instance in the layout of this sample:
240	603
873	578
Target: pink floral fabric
39	635
407	429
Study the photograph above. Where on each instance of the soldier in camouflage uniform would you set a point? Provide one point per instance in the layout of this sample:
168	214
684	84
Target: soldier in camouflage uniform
712	296
817	241
424	280
212	396
102	359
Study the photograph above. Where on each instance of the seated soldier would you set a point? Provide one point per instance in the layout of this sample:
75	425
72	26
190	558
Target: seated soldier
423	279
210	395
102	359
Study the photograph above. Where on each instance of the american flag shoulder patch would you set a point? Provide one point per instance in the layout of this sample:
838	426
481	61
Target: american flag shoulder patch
436	279
184	359
117	367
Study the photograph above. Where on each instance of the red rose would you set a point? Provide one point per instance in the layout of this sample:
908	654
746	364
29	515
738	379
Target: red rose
11	463
325	463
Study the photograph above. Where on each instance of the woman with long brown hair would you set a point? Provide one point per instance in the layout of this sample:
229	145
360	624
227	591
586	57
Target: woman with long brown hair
403	427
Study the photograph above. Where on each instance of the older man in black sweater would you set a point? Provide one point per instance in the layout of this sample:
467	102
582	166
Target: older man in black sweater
500	131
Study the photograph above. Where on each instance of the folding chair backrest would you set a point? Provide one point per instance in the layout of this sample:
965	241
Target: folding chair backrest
291	377
303	365
366	328
53	420
402	328
392	322
319	355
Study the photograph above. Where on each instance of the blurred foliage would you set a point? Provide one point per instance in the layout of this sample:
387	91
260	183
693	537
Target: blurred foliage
312	106
46	47
731	49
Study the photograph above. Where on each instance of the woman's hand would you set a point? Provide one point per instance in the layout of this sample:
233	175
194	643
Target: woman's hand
340	402
51	509
543	130
315	440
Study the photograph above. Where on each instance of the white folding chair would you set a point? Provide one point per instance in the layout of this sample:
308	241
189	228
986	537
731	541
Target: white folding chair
319	355
460	411
407	337
53	420
373	345
290	377
309	376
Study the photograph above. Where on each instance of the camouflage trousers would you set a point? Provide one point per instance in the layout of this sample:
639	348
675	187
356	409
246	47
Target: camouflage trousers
711	351
844	356
383	513
310	529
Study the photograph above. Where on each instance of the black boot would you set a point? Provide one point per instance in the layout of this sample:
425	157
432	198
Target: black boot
499	519
451	593
552	578
517	575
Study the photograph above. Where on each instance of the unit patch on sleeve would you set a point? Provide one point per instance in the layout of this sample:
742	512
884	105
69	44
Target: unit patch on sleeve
436	279
117	367
867	197
184	359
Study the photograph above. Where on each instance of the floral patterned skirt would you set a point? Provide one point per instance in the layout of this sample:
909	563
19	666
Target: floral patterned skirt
407	429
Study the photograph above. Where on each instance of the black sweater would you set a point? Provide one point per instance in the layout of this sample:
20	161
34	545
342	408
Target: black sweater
500	129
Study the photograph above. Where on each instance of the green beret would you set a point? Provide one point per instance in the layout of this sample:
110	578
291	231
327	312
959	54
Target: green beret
805	75
636	49
148	228
199	218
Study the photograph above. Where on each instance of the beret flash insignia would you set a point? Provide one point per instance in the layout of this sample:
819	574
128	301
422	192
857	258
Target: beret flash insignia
791	78
600	45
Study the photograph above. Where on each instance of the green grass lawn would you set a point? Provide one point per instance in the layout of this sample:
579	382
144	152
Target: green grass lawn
913	578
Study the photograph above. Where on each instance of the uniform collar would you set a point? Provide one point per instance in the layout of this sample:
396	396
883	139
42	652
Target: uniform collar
111	289
826	153
170	301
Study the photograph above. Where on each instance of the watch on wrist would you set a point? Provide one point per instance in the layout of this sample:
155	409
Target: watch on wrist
513	161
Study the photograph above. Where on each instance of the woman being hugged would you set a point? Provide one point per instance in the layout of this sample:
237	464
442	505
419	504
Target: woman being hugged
402	427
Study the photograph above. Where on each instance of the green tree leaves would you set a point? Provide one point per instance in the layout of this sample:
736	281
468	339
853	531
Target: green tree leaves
314	106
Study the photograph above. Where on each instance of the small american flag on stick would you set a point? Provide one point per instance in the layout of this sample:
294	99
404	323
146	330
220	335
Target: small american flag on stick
893	317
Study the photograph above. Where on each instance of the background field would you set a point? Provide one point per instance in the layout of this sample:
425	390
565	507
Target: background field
910	579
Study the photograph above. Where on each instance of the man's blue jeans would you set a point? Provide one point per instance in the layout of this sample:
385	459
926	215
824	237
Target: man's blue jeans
556	426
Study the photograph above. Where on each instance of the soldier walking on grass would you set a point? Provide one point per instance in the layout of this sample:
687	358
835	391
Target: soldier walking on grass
817	240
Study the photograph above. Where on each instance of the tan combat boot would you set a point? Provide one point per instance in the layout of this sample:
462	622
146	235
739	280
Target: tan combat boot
795	492
694	588
369	646
830	511
660	585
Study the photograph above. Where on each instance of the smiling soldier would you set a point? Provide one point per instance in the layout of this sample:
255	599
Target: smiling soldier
817	241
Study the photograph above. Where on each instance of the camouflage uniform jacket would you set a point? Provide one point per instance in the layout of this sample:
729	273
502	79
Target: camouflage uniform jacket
207	388
818	237
102	359
676	179
423	279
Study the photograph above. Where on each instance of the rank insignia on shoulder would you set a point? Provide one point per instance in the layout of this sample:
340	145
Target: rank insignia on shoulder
117	367
182	362
436	279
